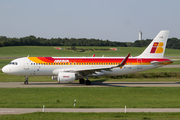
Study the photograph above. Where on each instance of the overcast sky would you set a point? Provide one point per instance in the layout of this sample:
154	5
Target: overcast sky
115	20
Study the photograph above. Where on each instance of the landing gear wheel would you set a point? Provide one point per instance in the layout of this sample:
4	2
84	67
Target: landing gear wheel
81	81
26	80
88	82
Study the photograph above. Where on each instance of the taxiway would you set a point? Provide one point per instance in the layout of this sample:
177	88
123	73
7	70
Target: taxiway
94	84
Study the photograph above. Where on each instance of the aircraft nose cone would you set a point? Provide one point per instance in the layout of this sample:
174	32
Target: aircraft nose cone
4	69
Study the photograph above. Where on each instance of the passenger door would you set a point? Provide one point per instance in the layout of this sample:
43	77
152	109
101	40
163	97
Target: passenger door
26	64
139	66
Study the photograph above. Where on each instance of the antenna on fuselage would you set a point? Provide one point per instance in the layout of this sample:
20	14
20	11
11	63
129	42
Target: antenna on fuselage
28	56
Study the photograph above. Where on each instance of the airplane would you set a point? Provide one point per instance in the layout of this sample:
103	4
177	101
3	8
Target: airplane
69	69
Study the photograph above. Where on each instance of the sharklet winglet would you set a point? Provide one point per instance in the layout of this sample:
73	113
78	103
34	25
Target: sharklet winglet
123	62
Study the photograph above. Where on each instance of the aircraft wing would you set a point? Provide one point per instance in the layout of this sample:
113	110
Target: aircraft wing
92	70
86	71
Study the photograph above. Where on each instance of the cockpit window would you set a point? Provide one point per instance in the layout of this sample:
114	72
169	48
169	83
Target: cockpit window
13	63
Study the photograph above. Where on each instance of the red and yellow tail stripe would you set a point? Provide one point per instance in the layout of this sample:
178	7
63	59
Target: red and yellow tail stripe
157	47
93	61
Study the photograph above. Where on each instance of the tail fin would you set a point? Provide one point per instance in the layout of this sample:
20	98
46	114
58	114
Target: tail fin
157	47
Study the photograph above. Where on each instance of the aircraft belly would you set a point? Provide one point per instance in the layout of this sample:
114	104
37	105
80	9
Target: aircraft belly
41	70
48	70
127	70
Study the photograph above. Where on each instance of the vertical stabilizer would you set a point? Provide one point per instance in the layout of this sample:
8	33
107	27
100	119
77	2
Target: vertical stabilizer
157	47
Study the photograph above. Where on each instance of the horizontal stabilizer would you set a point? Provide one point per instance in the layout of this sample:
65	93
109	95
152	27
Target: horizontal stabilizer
161	63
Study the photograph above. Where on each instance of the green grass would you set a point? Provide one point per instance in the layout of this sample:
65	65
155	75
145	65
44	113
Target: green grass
92	116
158	70
175	62
4	62
91	97
113	97
10	78
23	51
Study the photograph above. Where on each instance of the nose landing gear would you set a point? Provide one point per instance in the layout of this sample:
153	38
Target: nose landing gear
26	80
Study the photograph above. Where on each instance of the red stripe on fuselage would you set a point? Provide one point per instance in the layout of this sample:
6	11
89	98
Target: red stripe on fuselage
101	60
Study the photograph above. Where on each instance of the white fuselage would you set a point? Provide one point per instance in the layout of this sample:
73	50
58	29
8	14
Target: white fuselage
26	67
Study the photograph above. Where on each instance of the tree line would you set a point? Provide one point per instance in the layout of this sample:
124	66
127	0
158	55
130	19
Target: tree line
173	43
33	41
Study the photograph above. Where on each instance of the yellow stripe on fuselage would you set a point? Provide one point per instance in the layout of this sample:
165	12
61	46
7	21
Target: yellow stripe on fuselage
36	60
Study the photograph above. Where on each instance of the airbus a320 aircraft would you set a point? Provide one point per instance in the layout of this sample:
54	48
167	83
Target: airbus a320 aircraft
68	69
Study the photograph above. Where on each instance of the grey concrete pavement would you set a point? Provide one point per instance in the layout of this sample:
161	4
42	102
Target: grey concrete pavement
94	84
171	66
84	110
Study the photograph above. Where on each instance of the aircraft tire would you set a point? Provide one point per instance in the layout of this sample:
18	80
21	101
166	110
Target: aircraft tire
88	82
81	81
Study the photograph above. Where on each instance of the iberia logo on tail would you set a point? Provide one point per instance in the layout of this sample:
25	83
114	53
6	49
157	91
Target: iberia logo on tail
157	47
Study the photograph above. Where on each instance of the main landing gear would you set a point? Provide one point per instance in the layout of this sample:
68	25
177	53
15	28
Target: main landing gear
82	81
26	80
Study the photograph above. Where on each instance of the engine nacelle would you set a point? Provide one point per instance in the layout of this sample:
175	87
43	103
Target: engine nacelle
66	77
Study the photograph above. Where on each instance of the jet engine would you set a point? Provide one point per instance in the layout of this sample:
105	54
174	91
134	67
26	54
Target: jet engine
65	77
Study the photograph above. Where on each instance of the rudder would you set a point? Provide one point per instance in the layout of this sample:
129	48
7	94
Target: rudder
157	47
